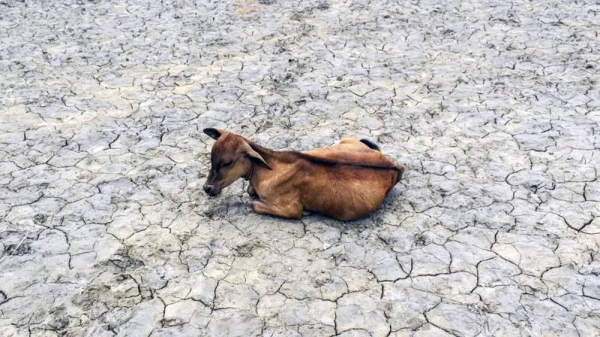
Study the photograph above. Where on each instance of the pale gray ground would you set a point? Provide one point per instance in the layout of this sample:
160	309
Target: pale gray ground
492	106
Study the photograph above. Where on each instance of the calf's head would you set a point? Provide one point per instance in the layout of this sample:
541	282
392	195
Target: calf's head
231	158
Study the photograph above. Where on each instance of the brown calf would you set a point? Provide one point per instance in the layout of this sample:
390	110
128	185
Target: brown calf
346	181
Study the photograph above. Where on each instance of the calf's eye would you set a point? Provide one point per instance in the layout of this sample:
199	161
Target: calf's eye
227	164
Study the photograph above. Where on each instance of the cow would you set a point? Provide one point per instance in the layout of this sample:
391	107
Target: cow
345	181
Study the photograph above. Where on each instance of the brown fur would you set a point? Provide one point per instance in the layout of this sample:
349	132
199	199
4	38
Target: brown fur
346	181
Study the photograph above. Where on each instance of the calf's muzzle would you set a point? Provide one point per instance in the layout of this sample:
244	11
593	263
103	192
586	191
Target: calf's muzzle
210	190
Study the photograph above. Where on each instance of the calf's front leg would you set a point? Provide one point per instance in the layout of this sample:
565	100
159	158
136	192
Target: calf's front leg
291	210
251	191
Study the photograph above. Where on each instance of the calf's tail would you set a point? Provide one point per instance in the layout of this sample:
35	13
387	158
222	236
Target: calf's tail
370	144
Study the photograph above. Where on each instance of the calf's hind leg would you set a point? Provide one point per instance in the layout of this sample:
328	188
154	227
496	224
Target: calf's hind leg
291	210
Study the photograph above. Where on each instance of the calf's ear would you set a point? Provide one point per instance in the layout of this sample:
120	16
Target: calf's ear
257	157
213	133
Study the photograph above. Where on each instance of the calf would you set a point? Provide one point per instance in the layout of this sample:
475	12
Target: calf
346	181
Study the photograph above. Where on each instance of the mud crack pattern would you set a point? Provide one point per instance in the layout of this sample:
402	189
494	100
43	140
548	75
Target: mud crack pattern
492	106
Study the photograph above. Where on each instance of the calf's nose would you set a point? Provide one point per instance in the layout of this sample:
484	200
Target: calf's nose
208	189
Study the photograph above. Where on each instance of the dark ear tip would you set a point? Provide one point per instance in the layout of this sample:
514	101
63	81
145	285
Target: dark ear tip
212	132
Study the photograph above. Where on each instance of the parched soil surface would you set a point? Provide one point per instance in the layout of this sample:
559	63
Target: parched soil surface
492	106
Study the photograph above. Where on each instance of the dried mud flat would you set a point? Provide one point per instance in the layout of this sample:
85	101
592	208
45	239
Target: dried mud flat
492	106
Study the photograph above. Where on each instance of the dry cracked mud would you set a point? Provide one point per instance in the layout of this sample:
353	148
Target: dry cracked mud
492	106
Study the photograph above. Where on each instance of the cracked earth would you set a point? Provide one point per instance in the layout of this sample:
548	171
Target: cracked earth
492	106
